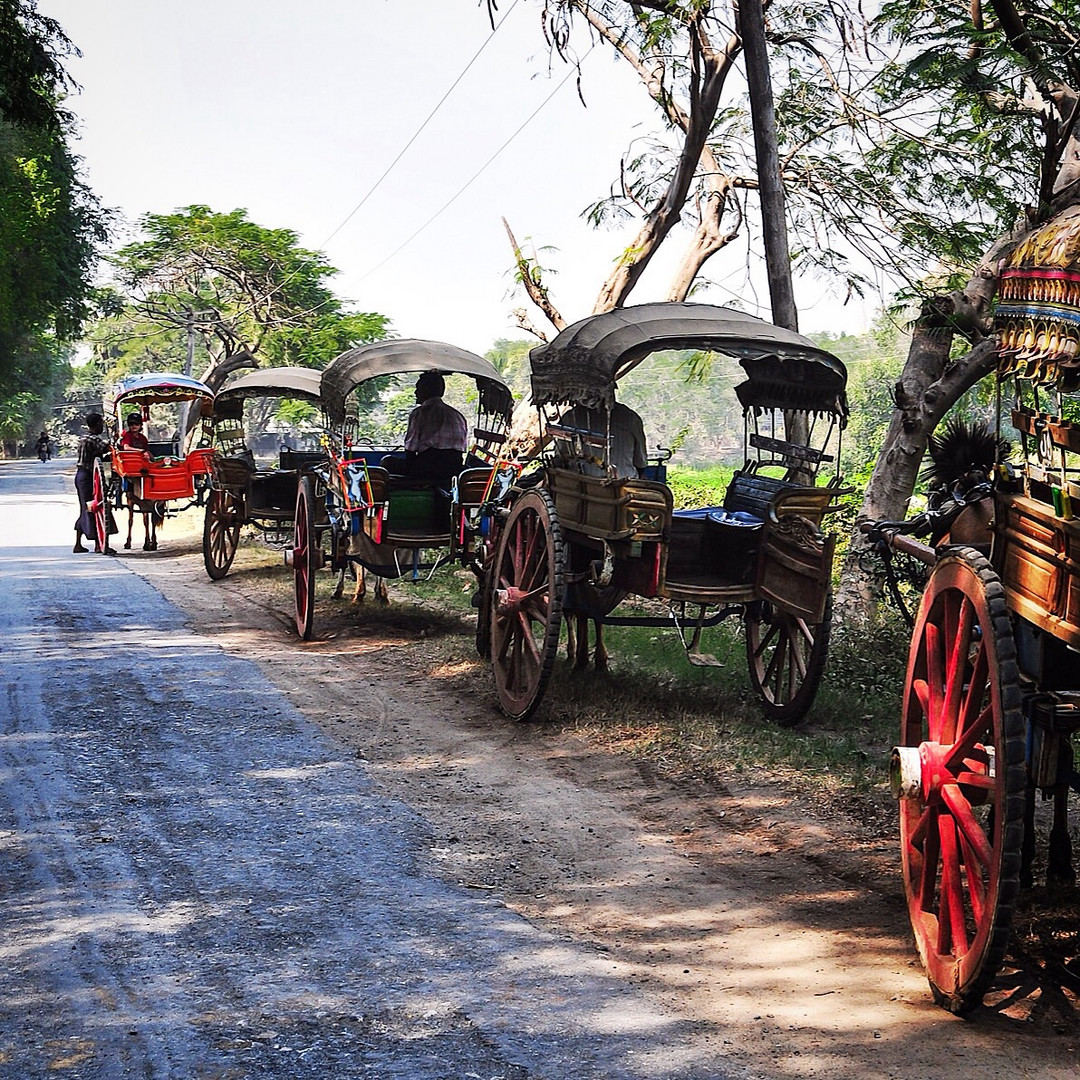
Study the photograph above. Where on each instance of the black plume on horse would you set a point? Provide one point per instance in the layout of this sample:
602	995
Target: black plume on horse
960	462
963	454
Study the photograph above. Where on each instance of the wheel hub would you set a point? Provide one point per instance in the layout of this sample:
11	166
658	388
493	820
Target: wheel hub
509	601
920	772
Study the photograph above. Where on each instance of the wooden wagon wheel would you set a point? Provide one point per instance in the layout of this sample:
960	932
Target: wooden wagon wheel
959	775
221	531
526	603
786	659
99	505
305	556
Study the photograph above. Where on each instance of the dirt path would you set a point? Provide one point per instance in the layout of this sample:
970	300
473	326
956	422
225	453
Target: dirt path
743	908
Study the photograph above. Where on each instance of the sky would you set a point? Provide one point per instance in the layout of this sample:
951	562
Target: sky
324	117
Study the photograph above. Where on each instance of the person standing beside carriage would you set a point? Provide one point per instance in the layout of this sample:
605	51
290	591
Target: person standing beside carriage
93	445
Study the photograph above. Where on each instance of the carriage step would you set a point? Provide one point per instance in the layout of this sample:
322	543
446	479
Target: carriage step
700	659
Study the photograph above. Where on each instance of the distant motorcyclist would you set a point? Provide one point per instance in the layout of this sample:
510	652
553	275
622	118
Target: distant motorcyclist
44	448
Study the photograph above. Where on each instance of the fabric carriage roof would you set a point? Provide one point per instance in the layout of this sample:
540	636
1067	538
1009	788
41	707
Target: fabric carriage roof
286	382
161	386
400	356
785	370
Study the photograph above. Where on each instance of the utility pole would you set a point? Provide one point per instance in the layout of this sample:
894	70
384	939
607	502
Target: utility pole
770	189
190	318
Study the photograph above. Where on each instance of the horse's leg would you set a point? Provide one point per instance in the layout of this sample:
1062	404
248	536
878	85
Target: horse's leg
382	591
1059	866
581	652
600	654
571	639
361	585
131	520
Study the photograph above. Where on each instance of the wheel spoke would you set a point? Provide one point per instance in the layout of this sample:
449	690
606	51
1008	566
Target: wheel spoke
931	850
956	668
972	713
935	680
970	737
976	882
960	808
952	932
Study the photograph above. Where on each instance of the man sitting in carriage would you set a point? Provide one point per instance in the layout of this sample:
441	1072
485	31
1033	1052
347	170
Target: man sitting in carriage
436	438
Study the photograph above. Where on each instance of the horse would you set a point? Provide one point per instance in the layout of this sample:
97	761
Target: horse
153	516
380	590
582	604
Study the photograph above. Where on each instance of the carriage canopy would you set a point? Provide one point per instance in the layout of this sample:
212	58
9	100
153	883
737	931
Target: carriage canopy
1037	315
784	370
157	386
304	384
400	356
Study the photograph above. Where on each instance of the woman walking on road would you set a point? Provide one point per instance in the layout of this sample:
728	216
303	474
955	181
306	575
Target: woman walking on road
91	447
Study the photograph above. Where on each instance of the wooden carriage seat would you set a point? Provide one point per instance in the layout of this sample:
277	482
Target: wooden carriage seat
297	460
725	541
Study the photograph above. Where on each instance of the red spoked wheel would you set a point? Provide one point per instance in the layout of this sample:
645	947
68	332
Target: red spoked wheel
526	603
959	775
221	532
786	659
305	556
99	506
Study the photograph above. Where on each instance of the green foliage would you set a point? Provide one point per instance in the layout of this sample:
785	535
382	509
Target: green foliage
687	402
50	224
694	488
240	285
511	360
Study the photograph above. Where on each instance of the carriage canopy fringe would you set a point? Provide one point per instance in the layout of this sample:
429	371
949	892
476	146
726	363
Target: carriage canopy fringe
785	370
1037	314
400	356
161	386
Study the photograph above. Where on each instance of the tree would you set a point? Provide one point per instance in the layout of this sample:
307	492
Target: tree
1009	69
51	226
878	173
884	172
244	292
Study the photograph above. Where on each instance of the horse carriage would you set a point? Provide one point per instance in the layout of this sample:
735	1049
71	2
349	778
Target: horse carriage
245	491
576	538
355	508
992	693
167	470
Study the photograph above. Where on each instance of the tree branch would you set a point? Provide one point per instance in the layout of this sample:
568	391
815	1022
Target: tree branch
529	276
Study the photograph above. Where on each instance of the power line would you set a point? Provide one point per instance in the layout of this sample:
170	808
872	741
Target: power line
386	172
468	183
416	134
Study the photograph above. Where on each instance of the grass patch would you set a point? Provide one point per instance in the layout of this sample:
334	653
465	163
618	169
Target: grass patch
705	723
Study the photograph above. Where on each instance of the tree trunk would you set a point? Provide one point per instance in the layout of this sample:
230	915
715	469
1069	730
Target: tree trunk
929	385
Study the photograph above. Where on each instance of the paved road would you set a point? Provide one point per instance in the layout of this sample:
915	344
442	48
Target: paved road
197	883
